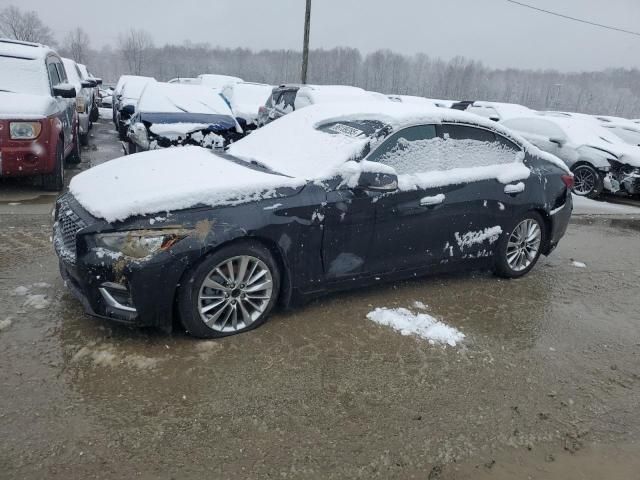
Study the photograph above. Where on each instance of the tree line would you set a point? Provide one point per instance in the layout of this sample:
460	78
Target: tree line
611	92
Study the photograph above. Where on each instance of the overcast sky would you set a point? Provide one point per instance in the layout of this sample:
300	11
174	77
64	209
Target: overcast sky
496	32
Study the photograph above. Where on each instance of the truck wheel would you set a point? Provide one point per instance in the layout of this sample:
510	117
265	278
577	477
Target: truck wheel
54	181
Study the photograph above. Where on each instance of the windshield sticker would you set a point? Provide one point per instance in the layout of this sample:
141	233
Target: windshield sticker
346	130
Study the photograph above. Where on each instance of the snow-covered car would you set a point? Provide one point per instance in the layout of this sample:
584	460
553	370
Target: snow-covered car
285	99
217	81
84	97
246	98
185	80
598	159
38	119
330	197
94	113
495	111
173	114
105	97
628	131
125	102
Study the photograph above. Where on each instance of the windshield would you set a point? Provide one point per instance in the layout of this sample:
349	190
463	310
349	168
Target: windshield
20	75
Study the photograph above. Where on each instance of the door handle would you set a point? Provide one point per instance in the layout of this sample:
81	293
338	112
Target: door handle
430	201
514	188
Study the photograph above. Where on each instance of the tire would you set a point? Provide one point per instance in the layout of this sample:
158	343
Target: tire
54	181
237	308
95	114
75	156
508	262
84	139
588	182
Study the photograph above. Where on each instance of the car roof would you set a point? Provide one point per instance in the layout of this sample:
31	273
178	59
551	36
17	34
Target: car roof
27	50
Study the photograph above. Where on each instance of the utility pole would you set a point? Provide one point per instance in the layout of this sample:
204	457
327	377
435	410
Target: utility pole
305	47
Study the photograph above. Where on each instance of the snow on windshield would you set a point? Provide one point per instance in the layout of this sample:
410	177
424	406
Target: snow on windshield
21	75
134	86
294	145
247	98
168	180
181	98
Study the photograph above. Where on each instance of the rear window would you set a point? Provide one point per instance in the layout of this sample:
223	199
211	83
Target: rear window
20	75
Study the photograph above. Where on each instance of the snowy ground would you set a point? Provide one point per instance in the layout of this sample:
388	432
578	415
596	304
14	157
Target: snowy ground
586	206
544	384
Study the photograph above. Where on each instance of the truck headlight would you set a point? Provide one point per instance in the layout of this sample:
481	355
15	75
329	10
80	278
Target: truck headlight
24	130
135	244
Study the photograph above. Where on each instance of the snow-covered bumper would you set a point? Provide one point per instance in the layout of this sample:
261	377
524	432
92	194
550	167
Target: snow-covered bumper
110	285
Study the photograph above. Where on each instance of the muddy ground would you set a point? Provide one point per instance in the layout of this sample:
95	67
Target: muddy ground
545	385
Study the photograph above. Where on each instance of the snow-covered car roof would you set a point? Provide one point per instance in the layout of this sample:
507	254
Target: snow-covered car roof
339	93
217	81
296	147
181	98
585	132
134	86
28	50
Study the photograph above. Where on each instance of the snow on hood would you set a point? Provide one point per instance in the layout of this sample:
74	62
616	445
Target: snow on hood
293	146
170	179
160	97
25	106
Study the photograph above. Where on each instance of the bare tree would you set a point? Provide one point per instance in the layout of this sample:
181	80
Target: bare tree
135	47
77	45
25	26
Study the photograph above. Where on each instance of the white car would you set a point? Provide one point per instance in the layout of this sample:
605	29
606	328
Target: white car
498	111
217	81
246	98
185	80
598	159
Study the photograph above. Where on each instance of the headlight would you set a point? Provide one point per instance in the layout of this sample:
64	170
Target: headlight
24	130
136	245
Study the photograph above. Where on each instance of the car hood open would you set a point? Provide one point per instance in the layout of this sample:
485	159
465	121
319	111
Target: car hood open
173	179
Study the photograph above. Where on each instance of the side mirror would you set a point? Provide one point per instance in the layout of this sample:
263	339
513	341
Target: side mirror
64	90
88	84
98	81
557	140
128	110
378	182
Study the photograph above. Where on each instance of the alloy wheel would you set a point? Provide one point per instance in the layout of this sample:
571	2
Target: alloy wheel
584	180
235	294
524	245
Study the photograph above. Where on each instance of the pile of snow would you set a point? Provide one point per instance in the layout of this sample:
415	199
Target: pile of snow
577	264
171	179
6	323
419	324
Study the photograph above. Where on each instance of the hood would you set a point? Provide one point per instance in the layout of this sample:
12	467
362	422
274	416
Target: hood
173	179
628	154
25	106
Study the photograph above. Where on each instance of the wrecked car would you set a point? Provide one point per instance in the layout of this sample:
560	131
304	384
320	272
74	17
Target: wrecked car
126	98
328	198
599	160
172	115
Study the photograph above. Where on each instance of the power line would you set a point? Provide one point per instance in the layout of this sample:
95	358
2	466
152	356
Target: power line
608	27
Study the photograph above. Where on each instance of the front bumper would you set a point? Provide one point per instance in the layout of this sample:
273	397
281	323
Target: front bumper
29	158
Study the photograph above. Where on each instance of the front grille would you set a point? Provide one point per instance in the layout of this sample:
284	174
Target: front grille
68	224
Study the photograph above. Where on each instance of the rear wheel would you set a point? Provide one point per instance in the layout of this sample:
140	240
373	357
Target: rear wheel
122	131
54	181
231	291
587	181
520	247
84	139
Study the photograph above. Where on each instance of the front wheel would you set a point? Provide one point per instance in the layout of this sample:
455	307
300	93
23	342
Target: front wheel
231	291
520	248
587	181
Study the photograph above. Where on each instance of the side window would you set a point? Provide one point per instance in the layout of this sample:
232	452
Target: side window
61	72
54	76
407	151
464	146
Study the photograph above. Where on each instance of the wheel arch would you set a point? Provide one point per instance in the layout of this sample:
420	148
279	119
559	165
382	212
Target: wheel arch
548	225
286	288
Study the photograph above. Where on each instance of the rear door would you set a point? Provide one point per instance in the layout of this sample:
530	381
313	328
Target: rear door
66	106
450	205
